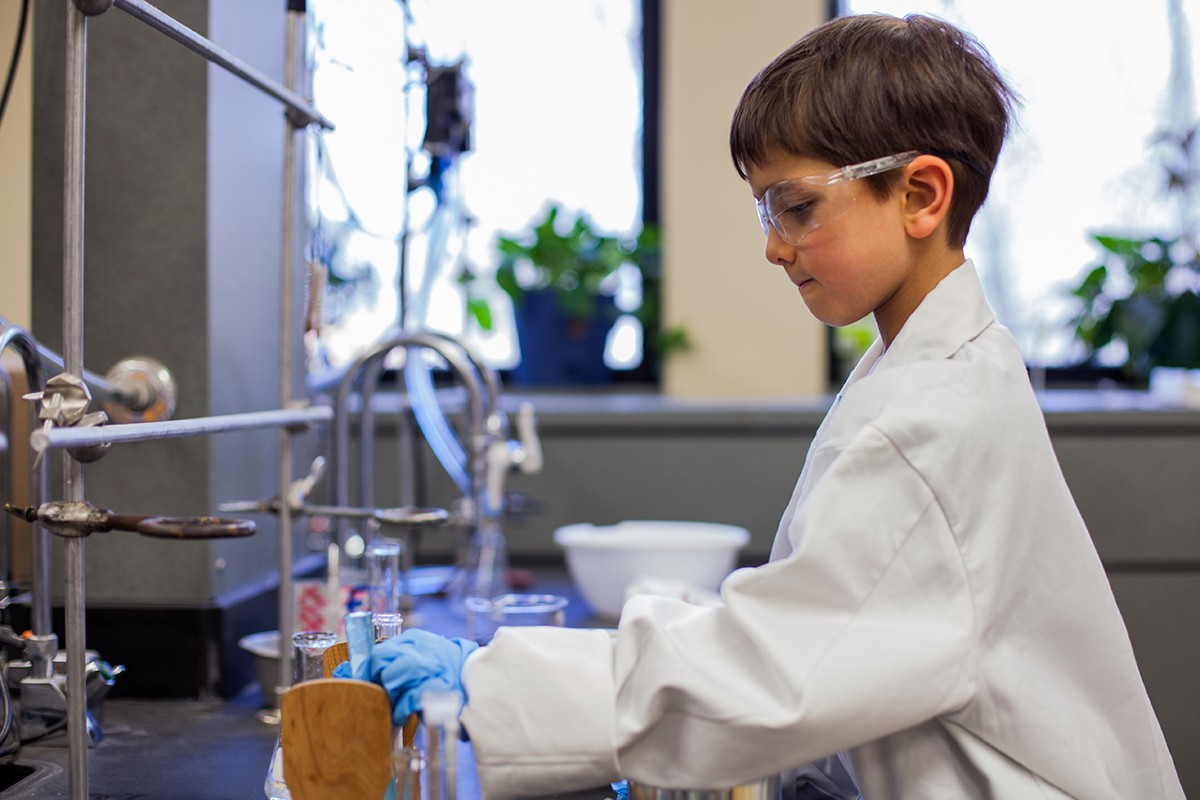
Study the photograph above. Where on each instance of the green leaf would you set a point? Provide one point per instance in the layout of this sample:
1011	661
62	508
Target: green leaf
506	279
481	312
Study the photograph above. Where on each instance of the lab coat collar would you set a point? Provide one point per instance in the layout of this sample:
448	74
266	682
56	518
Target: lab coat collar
952	314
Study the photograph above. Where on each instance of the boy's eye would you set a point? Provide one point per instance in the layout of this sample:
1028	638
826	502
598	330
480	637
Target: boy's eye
798	212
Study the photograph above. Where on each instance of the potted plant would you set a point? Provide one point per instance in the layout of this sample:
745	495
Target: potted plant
560	277
1142	292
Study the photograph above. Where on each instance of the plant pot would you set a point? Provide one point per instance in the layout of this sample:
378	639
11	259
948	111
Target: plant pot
557	350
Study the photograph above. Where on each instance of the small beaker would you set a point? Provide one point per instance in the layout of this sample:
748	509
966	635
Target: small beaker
384	575
486	614
309	654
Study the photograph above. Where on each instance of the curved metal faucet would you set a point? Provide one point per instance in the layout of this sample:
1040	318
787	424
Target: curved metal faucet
482	394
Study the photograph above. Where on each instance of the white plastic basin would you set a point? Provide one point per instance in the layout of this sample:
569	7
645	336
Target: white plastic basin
604	560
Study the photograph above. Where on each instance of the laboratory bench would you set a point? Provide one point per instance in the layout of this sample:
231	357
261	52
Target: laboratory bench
181	750
219	749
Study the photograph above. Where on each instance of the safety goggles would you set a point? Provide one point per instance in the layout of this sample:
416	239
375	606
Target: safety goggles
795	208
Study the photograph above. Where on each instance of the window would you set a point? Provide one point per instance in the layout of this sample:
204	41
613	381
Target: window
556	117
1101	82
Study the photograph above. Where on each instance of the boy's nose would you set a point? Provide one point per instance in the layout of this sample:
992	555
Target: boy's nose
778	251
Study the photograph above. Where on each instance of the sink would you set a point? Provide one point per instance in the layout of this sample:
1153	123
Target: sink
12	774
21	780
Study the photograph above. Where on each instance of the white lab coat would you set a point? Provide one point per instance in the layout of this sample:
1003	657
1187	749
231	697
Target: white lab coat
933	606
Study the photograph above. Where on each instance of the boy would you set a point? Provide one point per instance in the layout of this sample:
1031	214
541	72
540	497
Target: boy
934	609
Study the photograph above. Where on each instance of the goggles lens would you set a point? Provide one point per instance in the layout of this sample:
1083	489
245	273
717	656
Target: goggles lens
795	208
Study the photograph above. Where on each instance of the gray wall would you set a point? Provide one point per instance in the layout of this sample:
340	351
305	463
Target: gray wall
182	258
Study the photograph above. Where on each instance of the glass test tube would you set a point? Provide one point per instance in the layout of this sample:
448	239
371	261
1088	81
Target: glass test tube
383	573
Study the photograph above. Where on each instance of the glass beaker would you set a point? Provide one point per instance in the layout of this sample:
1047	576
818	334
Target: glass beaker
309	660
486	614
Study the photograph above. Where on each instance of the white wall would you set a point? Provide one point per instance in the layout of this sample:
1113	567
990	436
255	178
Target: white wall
16	134
753	335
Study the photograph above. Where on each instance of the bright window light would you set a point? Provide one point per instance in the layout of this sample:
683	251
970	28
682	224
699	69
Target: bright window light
557	117
1099	82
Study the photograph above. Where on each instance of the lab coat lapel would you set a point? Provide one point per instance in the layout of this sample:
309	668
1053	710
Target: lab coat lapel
952	314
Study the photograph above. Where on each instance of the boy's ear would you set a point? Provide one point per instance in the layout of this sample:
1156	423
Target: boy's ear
929	186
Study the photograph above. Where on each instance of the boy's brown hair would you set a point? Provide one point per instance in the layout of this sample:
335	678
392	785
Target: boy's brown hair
870	85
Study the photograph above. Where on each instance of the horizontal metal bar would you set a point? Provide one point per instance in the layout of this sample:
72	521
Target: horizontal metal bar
300	111
61	438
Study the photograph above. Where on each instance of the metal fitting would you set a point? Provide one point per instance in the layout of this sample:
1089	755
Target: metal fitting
92	8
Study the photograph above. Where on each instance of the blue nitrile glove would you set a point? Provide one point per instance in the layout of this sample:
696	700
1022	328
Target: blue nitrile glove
343	670
621	788
417	660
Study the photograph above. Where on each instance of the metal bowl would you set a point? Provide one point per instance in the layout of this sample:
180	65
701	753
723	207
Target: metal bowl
764	789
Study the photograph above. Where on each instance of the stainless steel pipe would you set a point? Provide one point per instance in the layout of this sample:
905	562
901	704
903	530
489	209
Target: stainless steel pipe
22	342
299	110
72	311
70	438
287	336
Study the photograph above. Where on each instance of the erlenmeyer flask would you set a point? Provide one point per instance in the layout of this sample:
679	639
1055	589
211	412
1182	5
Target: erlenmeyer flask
308	664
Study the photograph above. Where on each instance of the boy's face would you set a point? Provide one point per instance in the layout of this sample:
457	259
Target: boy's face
856	260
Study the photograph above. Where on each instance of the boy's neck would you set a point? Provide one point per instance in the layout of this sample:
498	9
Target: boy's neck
925	273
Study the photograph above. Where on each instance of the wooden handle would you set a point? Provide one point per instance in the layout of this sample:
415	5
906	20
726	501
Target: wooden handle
337	739
409	733
334	655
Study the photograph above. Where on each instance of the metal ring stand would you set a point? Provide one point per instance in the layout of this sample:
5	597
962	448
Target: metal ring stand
299	114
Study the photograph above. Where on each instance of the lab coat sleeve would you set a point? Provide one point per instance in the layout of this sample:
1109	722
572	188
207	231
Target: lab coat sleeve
865	630
540	711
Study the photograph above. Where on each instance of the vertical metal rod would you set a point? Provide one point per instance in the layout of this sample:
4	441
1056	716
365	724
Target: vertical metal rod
41	571
72	311
366	435
287	623
6	479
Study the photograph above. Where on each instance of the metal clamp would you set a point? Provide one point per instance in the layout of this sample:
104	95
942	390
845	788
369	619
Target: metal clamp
64	404
77	518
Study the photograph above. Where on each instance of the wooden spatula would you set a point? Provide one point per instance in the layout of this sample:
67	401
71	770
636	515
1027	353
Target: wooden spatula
340	652
337	739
